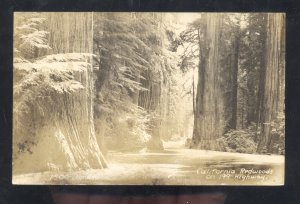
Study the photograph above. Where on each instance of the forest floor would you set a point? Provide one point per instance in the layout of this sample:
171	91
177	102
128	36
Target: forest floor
173	166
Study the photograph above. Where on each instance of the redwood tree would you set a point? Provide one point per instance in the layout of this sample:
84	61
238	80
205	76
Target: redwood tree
272	81
208	114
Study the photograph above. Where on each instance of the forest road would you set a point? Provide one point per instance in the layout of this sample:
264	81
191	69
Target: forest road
172	166
179	166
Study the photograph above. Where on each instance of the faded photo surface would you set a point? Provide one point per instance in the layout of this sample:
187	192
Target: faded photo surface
148	98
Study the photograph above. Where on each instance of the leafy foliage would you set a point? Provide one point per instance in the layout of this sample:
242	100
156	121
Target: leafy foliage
39	79
278	134
37	84
142	87
134	63
241	141
30	38
130	133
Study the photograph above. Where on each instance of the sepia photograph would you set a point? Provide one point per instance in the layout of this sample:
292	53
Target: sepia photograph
148	98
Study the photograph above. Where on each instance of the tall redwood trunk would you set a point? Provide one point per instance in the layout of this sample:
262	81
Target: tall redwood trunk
66	134
73	33
234	100
262	76
275	23
208	124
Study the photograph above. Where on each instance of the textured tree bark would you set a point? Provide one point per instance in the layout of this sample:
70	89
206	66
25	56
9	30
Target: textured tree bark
234	100
67	138
275	23
208	125
262	76
76	36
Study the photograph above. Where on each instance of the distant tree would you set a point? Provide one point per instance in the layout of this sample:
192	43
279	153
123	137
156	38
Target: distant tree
204	36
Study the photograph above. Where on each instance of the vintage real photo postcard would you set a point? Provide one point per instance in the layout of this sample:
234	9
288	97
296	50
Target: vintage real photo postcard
105	98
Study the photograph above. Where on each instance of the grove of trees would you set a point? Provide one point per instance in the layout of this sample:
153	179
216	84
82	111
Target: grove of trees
89	83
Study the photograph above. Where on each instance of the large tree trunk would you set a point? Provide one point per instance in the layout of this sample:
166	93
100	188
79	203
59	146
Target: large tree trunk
262	76
251	98
270	106
67	136
76	36
208	118
234	101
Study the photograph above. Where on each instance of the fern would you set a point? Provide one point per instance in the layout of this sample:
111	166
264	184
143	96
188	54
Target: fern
30	38
55	72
